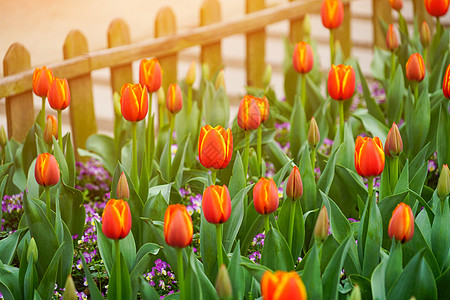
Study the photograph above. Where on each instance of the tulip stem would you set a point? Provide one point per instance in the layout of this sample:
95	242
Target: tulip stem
258	150
60	130
219	245
134	167
149	135
161	116
189	100
213	176
303	91
425	51
341	121
246	153
266	224
313	158
392	65
169	152
332	54
48	204
291	223
42	121
416	93
118	270
393	170
370	187
180	272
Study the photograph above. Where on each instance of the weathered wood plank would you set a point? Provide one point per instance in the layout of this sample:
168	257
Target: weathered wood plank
211	53
344	32
421	13
256	47
296	33
381	10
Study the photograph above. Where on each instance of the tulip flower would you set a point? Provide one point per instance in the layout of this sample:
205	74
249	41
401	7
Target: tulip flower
415	68
436	8
134	102
116	219
51	129
332	13
215	147
150	74
282	286
303	58
46	173
396	4
369	156
265	198
42	79
443	185
446	83
294	190
59	99
394	144
401	225
123	191
220	80
216	204
174	99
391	38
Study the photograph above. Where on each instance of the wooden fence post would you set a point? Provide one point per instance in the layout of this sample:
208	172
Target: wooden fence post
211	54
381	10
296	33
421	13
118	35
19	108
343	33
256	48
82	115
165	25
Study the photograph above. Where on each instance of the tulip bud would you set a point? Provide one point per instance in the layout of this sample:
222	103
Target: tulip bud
46	171
178	228
369	156
161	96
313	133
391	38
307	25
215	147
174	99
425	34
282	285
249	114
322	225
3	137
264	108
205	71
265	196
303	58
294	186
134	102
42	79
116	219
341	82
396	4
394	144
123	191
415	68
32	251
356	293
436	8
59	94
150	74
223	284
401	225
220	80
190	76
51	129
443	185
332	13
267	75
70	293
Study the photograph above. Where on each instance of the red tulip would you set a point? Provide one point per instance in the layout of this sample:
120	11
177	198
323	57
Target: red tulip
216	204
249	114
134	102
215	147
391	38
265	196
264	108
42	79
436	8
294	186
150	74
341	82
396	4
46	170
394	144
369	156
51	129
401	225
332	13
174	99
415	68
282	286
178	228
116	219
446	83
303	58
59	94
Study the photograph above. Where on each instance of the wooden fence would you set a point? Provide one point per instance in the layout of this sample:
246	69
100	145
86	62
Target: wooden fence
78	62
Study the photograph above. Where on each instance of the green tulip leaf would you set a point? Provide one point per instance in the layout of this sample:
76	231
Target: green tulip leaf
298	235
440	233
93	289
143	258
236	273
47	283
256	270
339	225
119	285
299	136
147	291
373	107
275	254
8	246
311	274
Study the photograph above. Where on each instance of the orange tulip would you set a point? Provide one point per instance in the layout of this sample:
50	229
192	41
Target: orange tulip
249	114
42	79
134	102
216	204
401	225
391	38
264	108
341	82
178	228
265	196
46	171
150	74
282	286
303	58
446	83
59	94
51	129
116	219
396	4
415	68
294	186
369	156
332	13
394	143
174	99
437	8
215	147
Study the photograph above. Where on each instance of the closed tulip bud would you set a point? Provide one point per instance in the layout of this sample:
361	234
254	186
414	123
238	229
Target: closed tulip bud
46	170
391	38
356	293
59	94
322	225
341	82
3	137
396	4
150	74
220	80
216	204
190	76
134	102
70	293
436	8
32	251
415	68
425	34
123	192
401	225
178	229
117	107
313	133
303	58
264	108
215	147
223	284
267	77
205	71
394	144
265	196
294	186
161	96
249	114
369	156
42	79
443	185
446	83
307	25
332	13
51	129
282	286
174	99
116	219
